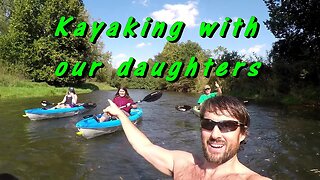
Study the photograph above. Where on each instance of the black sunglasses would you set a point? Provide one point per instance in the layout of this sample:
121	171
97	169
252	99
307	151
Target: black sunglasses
207	88
224	126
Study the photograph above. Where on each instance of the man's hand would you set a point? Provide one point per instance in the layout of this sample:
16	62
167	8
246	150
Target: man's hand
216	84
218	88
113	109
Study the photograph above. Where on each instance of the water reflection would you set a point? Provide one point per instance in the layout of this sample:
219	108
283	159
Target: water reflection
299	136
283	143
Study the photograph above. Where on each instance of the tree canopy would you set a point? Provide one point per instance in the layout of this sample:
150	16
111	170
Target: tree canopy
296	54
29	39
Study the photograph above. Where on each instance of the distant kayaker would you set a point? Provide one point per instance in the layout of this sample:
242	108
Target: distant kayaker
224	125
123	100
207	93
69	100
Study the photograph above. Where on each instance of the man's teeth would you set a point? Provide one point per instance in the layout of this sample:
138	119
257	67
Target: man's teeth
216	145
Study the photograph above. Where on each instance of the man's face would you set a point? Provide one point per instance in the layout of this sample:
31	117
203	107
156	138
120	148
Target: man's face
207	91
219	147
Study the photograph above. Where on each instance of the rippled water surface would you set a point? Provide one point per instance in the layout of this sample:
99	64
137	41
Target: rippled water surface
283	143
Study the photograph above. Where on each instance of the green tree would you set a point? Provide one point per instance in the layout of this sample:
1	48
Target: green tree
183	51
103	74
296	55
6	7
30	39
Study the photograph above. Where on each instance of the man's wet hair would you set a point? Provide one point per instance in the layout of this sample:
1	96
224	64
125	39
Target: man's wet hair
7	176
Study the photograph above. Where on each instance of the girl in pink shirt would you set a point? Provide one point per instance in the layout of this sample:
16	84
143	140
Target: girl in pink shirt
122	100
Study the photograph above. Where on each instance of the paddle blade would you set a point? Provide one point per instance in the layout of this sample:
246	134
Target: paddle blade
46	103
87	116
89	105
183	107
153	96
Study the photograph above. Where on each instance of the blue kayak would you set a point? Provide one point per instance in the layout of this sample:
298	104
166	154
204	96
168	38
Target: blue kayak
90	127
47	113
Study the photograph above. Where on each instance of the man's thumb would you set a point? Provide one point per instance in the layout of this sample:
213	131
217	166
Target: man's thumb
110	102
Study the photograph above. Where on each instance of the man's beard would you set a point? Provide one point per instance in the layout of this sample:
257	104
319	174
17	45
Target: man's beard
230	151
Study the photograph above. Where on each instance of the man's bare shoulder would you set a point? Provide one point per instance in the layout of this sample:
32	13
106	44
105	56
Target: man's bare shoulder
242	176
249	174
256	176
184	156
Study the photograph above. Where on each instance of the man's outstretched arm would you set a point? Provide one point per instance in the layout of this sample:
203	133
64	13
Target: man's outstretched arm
159	157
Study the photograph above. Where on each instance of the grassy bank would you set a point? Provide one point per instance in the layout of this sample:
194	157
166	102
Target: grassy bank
14	85
31	89
96	86
308	96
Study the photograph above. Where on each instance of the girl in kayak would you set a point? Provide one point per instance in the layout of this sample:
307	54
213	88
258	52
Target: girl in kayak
69	100
122	100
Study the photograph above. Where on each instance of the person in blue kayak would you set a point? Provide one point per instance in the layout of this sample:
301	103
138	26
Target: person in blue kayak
224	123
69	100
208	94
123	100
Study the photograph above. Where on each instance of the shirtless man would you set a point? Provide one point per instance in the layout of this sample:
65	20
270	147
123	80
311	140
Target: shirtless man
224	125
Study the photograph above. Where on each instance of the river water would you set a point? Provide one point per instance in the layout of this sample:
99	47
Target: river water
283	143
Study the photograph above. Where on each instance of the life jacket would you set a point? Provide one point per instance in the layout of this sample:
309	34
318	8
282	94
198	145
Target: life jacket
69	100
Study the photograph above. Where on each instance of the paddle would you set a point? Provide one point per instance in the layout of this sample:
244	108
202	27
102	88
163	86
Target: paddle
89	105
46	103
184	108
149	98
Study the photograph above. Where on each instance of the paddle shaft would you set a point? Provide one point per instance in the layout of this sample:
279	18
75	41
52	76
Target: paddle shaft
149	98
121	107
85	105
188	107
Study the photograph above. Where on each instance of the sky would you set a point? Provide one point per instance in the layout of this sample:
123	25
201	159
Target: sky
192	13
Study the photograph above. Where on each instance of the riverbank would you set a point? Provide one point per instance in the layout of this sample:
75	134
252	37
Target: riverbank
32	89
13	84
309	97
